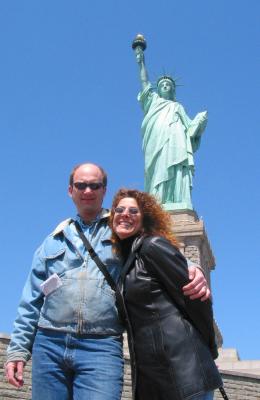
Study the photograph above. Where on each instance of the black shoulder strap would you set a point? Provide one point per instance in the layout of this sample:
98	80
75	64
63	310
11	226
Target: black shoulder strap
118	297
95	257
224	394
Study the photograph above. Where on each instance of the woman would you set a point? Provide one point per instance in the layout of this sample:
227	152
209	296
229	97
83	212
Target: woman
171	338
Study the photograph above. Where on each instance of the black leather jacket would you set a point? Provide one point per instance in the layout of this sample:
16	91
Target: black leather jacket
171	338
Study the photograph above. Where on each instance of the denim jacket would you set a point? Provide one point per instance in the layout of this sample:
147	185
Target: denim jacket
84	303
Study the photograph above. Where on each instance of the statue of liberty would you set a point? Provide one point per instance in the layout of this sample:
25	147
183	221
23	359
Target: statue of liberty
169	138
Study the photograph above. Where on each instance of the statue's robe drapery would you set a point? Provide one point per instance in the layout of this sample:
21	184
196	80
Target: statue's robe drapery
170	138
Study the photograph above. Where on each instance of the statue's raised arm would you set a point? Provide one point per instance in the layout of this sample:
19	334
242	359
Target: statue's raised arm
170	138
139	45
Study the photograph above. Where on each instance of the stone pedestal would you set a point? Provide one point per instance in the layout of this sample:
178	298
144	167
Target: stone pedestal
191	234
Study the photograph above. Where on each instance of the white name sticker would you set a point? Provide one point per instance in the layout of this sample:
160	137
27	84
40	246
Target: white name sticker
51	284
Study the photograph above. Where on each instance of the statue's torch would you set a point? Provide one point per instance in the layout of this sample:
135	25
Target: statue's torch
139	44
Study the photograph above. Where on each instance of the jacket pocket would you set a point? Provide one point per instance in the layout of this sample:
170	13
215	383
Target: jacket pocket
54	263
60	306
98	304
58	253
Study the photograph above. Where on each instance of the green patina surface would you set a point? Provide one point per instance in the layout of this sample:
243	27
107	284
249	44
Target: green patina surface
169	140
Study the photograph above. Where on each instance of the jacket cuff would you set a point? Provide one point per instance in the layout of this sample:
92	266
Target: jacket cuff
18	356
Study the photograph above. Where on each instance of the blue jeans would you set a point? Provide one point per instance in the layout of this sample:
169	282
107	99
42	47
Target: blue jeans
71	367
205	396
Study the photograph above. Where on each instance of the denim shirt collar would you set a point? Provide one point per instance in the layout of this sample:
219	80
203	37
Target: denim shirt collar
104	214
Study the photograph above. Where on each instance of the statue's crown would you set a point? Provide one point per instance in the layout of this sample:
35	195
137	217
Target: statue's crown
166	78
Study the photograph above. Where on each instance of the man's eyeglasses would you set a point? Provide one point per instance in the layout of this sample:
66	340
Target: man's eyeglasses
85	185
131	210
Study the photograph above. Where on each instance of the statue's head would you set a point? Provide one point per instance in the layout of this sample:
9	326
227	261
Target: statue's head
166	87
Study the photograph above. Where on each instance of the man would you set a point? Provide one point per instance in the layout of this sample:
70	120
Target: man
170	138
67	318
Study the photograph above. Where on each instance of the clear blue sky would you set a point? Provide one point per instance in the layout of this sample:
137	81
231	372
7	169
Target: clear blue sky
68	91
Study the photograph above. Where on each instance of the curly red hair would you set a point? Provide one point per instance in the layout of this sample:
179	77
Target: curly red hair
156	221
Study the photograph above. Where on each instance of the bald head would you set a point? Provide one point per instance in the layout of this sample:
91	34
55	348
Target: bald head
104	174
87	190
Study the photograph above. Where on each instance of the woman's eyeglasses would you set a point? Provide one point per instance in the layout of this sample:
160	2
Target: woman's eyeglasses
131	210
85	185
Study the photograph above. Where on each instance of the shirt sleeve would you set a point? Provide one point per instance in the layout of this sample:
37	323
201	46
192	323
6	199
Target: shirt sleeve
26	323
